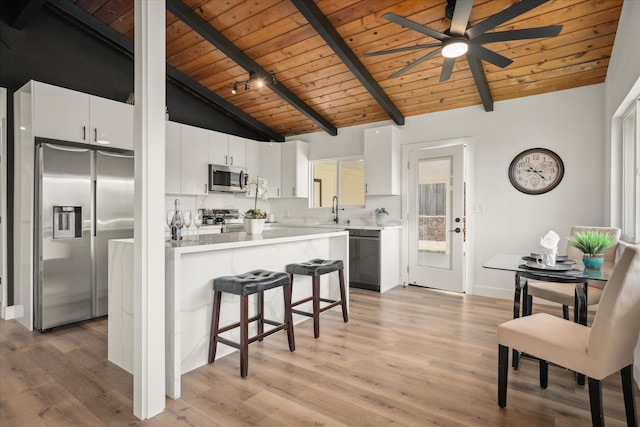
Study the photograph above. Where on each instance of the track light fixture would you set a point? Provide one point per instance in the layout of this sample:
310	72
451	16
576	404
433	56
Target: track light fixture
253	77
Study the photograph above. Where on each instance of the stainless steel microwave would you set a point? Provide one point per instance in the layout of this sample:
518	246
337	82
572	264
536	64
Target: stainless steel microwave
227	179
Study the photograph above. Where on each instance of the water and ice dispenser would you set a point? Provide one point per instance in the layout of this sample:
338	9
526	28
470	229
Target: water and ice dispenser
67	222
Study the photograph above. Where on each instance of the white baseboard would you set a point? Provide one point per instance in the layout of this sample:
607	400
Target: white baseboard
13	312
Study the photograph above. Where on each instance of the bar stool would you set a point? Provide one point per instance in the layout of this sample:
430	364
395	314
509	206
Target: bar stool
316	268
253	282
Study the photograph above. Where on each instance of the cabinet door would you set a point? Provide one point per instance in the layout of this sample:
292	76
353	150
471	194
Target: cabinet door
111	123
60	113
270	166
172	158
252	166
194	160
295	169
218	148
381	162
237	151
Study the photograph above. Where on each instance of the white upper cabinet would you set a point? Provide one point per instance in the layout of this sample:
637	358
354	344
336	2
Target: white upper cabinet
73	116
252	165
110	123
295	169
172	158
270	166
218	148
382	161
194	160
60	113
237	151
229	150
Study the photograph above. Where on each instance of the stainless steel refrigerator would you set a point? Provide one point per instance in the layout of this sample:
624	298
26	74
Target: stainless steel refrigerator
84	198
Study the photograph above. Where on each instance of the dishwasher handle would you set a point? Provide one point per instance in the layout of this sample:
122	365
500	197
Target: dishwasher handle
376	239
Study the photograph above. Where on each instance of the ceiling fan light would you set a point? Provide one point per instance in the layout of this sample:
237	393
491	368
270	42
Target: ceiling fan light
454	48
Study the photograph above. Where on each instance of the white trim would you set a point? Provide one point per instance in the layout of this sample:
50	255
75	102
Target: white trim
3	202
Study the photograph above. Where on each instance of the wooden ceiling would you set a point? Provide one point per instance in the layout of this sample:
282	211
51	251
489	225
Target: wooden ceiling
276	37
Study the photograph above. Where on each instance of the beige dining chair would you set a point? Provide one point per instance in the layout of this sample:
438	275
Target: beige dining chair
564	293
597	352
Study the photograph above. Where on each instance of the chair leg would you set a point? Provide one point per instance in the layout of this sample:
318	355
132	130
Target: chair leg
244	335
595	400
544	373
260	297
565	312
215	324
288	316
629	400
343	296
503	370
316	306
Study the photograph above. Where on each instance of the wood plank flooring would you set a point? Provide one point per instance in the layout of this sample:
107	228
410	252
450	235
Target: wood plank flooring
412	356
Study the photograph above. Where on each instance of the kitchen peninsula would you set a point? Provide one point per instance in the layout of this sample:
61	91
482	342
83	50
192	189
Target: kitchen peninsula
191	265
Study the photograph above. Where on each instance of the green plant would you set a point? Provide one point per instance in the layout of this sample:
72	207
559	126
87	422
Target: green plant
262	188
591	242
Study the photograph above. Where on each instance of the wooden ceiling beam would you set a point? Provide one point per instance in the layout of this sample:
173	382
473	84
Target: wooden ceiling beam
216	38
22	12
126	45
323	27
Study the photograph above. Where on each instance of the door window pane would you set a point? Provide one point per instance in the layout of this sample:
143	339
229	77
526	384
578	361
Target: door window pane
434	182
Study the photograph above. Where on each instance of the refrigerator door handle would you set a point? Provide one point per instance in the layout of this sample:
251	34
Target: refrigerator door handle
94	214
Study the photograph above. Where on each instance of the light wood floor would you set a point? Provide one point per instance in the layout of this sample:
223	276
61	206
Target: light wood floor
412	356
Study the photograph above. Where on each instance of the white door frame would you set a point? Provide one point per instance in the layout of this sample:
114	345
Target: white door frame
469	172
3	201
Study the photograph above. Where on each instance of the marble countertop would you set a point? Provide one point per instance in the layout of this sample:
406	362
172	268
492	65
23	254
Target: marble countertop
222	241
335	226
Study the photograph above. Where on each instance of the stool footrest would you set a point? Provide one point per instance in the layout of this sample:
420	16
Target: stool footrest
325	308
278	327
302	301
235	325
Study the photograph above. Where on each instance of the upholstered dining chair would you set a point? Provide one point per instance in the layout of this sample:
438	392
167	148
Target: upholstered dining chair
597	352
564	293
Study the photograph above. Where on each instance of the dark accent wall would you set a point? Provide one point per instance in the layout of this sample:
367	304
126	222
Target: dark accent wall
55	50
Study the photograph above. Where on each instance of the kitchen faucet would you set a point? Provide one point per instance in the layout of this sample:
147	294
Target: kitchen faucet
335	209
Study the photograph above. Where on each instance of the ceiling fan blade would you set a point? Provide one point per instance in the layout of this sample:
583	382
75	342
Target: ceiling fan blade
402	49
509	13
528	33
414	63
481	83
447	69
461	17
414	26
480	52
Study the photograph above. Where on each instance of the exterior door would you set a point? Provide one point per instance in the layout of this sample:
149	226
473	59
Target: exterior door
436	218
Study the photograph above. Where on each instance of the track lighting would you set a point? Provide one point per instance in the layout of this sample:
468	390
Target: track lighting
253	77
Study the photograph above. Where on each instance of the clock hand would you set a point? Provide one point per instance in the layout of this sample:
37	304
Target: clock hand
531	169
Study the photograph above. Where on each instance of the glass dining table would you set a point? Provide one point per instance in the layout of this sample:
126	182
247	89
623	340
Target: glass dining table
524	270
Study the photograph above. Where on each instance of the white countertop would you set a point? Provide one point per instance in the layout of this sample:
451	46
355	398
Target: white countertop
334	226
222	241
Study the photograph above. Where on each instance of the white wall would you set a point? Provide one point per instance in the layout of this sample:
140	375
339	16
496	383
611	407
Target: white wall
568	122
622	85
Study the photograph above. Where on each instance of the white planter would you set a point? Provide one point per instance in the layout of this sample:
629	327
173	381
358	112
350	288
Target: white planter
253	226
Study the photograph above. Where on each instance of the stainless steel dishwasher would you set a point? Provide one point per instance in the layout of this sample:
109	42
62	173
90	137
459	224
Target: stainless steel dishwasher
364	259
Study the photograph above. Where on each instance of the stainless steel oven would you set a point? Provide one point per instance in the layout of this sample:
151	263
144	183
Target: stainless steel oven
364	259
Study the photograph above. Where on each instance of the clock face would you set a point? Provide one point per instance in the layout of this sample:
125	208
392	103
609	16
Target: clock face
536	171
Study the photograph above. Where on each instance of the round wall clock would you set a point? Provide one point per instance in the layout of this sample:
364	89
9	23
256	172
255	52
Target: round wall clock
536	171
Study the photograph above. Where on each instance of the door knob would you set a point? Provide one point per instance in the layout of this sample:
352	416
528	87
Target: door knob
456	230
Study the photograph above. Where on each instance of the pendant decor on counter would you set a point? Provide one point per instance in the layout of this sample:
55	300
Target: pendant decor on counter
381	216
593	261
253	226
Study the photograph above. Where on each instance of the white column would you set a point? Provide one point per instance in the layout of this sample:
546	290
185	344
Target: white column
148	297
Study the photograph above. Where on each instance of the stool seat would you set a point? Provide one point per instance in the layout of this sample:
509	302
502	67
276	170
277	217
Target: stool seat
250	283
315	268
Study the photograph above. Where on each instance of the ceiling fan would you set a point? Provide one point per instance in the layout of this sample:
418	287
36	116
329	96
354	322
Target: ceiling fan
459	40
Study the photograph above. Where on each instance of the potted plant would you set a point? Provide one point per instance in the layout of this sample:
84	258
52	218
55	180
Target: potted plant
380	216
254	218
593	245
